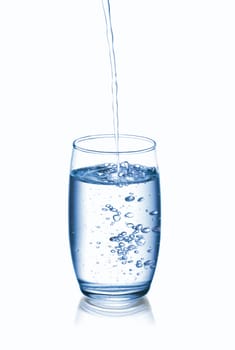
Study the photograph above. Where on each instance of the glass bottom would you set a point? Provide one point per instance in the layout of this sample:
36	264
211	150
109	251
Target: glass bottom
132	307
114	293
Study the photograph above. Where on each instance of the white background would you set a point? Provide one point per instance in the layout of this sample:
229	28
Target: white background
176	71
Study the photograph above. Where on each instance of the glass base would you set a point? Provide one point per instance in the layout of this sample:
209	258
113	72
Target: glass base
114	293
132	307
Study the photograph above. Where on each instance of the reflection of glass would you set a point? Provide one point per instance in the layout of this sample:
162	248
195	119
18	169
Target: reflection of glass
137	309
114	215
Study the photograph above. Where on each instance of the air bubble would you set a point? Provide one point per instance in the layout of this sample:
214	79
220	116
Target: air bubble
140	241
138	227
154	212
123	233
116	217
131	247
140	199
121	174
120	236
138	263
124	258
130	225
129	215
130	198
124	165
149	263
156	229
145	229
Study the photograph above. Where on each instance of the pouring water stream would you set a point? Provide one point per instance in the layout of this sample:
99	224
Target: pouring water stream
110	39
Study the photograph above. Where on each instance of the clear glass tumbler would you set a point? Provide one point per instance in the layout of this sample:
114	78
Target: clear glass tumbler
114	215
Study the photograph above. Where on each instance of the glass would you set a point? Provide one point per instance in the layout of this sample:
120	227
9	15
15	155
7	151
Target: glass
114	215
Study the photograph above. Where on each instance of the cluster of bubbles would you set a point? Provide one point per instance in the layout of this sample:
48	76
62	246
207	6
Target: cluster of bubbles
128	243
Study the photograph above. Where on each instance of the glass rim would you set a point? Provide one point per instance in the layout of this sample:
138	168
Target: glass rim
77	146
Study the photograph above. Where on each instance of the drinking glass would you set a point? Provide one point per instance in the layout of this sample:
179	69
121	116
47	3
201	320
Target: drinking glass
114	215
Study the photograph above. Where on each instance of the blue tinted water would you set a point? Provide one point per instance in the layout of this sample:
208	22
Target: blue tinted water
114	227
